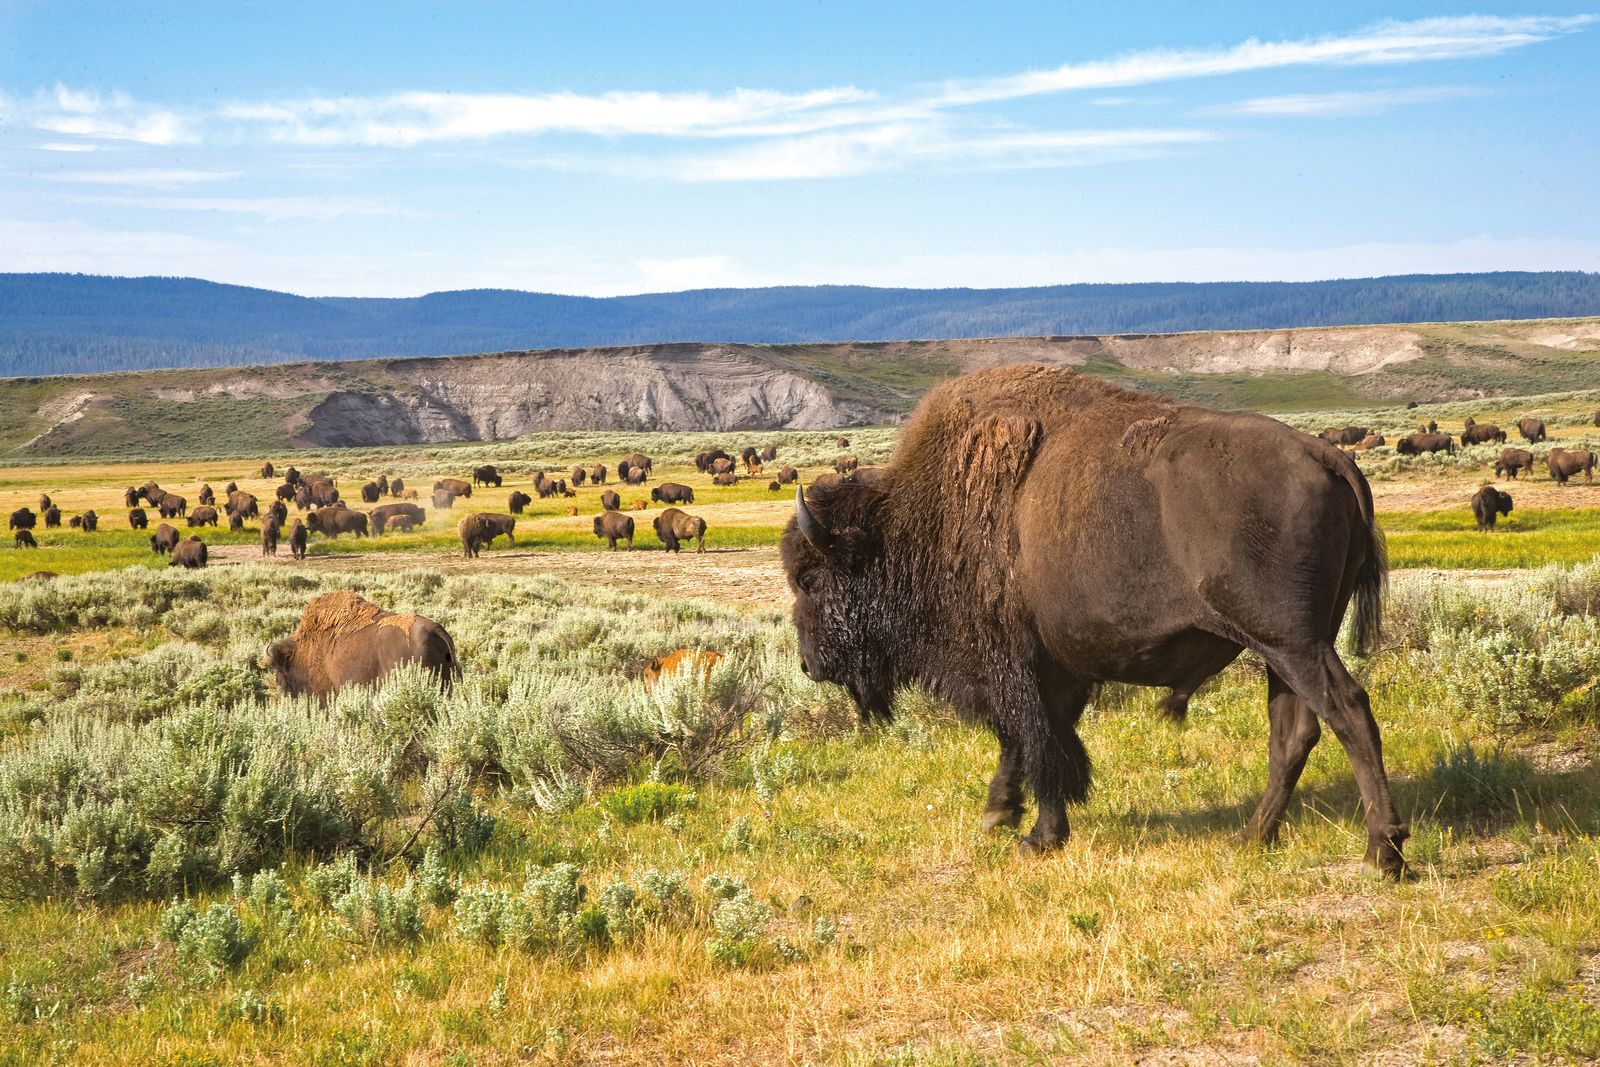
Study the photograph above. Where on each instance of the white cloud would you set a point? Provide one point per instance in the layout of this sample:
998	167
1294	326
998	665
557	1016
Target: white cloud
151	178
278	208
100	116
67	146
1387	43
1338	105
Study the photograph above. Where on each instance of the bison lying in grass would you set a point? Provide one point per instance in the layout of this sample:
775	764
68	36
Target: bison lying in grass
1061	560
345	640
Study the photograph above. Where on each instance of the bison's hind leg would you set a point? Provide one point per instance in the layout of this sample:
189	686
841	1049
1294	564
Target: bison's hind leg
1004	807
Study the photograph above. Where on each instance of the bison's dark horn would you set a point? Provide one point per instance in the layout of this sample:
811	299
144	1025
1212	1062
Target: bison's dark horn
810	528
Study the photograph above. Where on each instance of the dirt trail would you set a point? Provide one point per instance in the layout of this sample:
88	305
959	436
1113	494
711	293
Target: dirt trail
747	578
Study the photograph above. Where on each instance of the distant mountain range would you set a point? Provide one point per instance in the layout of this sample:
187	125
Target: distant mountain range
75	323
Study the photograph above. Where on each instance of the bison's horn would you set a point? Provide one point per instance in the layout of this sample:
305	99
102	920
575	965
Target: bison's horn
810	528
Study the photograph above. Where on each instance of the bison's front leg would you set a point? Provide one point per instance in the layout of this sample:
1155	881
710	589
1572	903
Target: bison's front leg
1005	788
1057	764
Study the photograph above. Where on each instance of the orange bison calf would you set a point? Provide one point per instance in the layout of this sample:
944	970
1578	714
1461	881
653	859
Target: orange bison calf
345	640
683	661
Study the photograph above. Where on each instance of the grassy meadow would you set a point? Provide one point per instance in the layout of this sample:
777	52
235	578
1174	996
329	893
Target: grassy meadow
552	862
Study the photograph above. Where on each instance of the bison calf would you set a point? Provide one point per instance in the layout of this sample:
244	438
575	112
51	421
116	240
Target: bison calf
345	640
24	539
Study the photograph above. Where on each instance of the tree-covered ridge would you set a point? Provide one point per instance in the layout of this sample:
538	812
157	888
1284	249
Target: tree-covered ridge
65	323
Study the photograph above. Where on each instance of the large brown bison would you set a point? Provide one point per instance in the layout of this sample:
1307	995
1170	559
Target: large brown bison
278	512
203	516
1532	430
190	554
545	486
1347	435
478	530
397	486
597	475
1056	563
172	506
45	503
613	526
331	522
769	453
1415	444
291	476
578	475
517	501
206	496
163	540
24	518
788	476
270	528
287	492
1566	462
137	519
345	640
298	539
51	515
486	475
370	493
1511	462
638	461
1479	433
632	475
23	539
398	516
322	494
704	460
749	454
672	493
721	465
673	526
453	486
1488	504
383	484
610	501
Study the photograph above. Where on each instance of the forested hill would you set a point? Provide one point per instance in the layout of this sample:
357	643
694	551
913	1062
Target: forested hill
66	323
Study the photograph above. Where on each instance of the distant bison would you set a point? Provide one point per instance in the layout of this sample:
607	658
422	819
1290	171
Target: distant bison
286	491
130	497
597	474
703	462
245	505
171	506
397	486
1476	433
788	476
1512	462
1532	430
518	501
45	503
88	522
613	526
578	475
1372	440
477	531
267	470
672	493
52	516
773	487
769	453
24	539
454	486
673	526
191	553
203	516
1348	435
370	493
207	496
396	516
383	484
163	540
137	519
291	476
270	528
845	464
333	521
842	442
749	455
297	540
1566	462
345	640
638	461
725	478
444	499
680	662
634	475
323	494
1415	444
610	501
1488	504
486	475
721	465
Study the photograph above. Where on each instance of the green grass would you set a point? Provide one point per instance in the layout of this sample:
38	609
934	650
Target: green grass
1449	539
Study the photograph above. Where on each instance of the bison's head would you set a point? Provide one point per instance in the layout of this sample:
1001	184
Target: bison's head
280	660
833	556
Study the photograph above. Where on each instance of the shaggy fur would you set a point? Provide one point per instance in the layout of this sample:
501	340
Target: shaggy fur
1566	462
333	521
1532	430
1488	504
191	553
1008	560
345	640
673	526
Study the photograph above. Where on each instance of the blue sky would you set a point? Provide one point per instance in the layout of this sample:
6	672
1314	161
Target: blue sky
396	149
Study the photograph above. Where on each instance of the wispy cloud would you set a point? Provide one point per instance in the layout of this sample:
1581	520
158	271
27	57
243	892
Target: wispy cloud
144	177
1339	105
68	146
100	116
278	208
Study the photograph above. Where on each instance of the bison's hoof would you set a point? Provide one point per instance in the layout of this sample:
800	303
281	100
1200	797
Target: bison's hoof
994	818
1385	858
1039	845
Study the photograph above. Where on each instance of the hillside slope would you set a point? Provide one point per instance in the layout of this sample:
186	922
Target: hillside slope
62	323
729	386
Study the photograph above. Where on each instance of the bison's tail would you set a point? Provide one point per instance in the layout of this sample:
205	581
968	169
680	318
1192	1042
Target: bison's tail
1373	578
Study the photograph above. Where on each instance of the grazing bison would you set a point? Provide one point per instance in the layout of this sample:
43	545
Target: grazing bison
52	516
383	484
88	522
638	461
453	486
23	539
268	470
130	497
1415	444
1566	462
297	540
845	464
1476	433
578	475
1512	461
769	453
323	494
842	442
614	526
1488	504
486	475
722	465
190	554
1059	562
773	487
207	496
23	519
345	640
682	661
137	519
518	501
750	455
370	493
45	503
203	516
163	540
1532	430
287	492
246	504
633	475
444	499
1348	435
171	506
788	476
703	462
399	516
151	493
597	474
725	478
478	530
291	476
673	526
610	501
672	493
398	486
270	528
331	522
